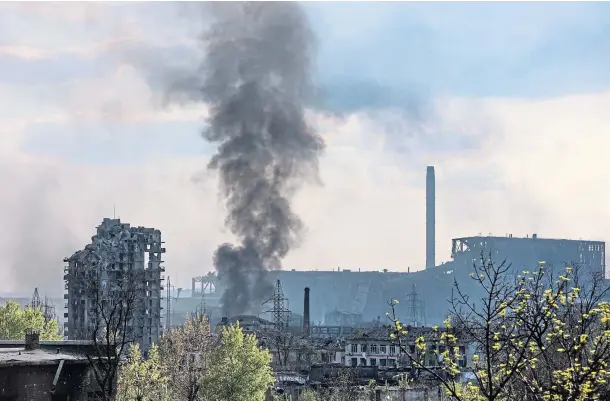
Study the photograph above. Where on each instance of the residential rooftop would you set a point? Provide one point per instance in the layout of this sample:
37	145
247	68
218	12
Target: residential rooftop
19	356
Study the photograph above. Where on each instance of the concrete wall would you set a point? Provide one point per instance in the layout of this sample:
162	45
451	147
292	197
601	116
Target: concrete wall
33	382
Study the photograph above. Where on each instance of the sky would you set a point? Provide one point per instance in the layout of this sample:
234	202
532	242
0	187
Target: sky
509	101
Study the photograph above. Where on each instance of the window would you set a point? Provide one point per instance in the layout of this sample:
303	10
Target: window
362	361
373	361
373	348
392	349
363	348
383	362
382	349
354	361
354	348
392	363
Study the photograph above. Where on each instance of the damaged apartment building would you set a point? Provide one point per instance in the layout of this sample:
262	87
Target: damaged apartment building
119	275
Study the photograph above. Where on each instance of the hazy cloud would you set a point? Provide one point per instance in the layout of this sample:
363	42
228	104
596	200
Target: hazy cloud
84	127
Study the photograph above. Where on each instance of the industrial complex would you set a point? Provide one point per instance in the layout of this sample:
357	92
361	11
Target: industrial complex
330	319
340	299
344	297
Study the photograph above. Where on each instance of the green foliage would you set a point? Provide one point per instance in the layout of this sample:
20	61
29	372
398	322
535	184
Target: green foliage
14	321
239	369
142	379
185	352
308	395
537	336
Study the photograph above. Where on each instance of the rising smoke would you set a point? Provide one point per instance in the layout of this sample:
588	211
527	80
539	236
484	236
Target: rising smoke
256	80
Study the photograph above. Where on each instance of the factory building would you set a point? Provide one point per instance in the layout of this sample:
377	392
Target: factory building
353	298
118	254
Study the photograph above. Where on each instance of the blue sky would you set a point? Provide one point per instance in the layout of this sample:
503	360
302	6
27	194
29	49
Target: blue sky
492	93
466	49
371	55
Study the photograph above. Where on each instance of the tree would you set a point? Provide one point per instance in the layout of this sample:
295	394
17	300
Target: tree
570	356
142	379
283	344
238	370
290	350
536	338
185	353
14	321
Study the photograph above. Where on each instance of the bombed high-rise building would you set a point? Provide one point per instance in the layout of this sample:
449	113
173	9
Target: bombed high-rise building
118	276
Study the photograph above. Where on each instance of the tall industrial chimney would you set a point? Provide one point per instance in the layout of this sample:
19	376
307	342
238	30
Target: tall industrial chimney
430	216
306	312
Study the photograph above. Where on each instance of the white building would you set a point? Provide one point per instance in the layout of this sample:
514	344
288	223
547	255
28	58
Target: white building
374	348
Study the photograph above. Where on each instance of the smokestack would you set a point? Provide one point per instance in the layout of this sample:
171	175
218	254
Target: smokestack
430	217
306	312
32	338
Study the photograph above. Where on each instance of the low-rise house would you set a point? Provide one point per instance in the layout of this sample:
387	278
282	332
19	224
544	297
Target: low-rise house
44	370
375	348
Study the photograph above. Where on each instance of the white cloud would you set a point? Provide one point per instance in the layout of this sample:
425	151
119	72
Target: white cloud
540	167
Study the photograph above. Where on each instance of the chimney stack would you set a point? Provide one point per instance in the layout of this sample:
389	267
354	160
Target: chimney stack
430	217
306	312
32	339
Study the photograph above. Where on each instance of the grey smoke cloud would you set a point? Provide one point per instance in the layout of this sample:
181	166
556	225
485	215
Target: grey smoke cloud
35	247
255	78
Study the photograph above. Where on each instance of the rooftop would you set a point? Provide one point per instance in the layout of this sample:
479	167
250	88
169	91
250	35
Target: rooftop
44	343
533	237
19	356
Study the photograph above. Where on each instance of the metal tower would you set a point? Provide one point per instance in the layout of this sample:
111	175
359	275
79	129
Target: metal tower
279	310
416	309
47	309
36	300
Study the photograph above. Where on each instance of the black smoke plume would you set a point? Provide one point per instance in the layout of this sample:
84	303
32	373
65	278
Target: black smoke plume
256	81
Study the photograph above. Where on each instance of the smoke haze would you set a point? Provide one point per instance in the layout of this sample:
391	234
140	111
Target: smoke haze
256	79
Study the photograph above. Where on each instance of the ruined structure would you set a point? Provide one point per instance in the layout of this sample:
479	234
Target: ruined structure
106	270
353	298
363	296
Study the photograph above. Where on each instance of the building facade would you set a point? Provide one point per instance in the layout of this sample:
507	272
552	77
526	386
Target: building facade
374	348
122	271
